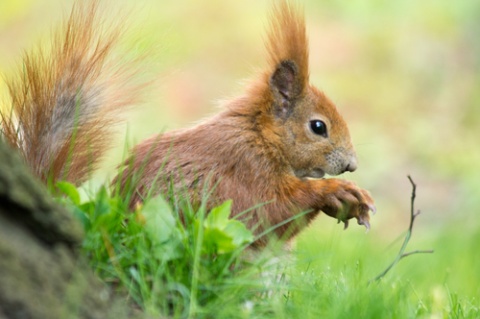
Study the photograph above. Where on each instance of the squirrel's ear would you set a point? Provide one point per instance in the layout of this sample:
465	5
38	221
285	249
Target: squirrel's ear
286	86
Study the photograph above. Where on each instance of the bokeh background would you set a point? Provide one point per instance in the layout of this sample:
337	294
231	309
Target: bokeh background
405	75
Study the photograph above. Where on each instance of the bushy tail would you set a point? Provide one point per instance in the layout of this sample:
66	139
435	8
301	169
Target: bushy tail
65	99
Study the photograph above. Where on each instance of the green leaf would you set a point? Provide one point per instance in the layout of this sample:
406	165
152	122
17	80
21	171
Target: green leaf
223	235
218	216
160	225
159	220
239	232
82	216
70	191
217	241
88	208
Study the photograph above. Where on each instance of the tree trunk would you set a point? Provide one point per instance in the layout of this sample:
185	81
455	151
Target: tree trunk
42	274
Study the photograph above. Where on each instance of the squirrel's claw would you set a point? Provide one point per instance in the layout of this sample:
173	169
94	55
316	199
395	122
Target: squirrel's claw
345	223
372	208
362	220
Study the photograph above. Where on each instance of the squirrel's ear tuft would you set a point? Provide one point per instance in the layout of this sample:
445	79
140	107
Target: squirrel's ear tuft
287	45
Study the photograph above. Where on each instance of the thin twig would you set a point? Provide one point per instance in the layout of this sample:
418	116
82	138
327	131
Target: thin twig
401	254
429	251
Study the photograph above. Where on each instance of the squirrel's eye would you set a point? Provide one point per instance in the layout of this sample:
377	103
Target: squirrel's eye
319	127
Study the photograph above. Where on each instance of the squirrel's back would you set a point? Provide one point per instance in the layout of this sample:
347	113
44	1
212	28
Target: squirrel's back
65	99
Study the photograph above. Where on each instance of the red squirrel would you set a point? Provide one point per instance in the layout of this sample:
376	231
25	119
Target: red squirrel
268	149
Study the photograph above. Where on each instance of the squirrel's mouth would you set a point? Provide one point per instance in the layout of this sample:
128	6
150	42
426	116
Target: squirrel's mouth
309	173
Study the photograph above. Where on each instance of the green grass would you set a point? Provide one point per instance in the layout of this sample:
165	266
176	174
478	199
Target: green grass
201	268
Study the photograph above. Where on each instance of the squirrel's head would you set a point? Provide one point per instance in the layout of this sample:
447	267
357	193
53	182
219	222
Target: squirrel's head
313	136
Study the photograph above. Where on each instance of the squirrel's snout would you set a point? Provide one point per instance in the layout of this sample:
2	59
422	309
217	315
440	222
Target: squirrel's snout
350	168
340	162
351	165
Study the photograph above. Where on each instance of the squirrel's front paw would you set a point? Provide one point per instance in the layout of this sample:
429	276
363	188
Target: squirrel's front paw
344	200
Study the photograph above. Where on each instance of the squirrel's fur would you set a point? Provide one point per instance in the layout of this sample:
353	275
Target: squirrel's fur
262	150
66	98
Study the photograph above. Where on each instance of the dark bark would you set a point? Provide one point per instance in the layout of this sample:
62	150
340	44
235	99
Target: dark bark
42	274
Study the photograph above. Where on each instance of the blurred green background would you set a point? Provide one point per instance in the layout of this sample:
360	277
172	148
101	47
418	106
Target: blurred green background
405	75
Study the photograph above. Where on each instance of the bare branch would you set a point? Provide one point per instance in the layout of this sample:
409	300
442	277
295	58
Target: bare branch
401	254
430	251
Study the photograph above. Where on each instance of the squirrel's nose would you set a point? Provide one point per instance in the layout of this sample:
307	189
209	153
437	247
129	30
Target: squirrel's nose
352	165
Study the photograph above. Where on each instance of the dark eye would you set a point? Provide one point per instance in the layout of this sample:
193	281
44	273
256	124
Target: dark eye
319	127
